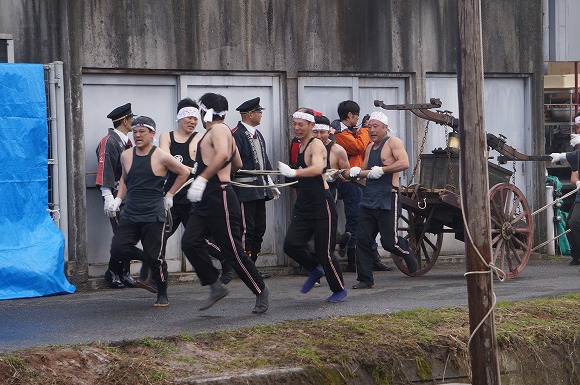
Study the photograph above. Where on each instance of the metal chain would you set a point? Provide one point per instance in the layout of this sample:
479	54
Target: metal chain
420	152
518	208
449	168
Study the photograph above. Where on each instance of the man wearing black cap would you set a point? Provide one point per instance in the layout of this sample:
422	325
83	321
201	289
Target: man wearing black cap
252	148
109	152
144	170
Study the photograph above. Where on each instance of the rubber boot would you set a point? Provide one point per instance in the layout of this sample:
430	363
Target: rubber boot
162	299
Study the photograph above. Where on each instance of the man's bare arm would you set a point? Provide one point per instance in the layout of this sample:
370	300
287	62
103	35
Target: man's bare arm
401	162
165	142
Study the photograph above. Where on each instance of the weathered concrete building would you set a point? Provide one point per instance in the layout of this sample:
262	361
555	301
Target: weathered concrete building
291	53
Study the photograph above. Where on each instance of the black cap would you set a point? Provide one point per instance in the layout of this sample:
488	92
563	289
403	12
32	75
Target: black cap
144	121
250	105
121	112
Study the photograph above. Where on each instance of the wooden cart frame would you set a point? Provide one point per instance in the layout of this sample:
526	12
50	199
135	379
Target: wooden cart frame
427	213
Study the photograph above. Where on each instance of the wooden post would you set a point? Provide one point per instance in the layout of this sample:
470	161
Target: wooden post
474	186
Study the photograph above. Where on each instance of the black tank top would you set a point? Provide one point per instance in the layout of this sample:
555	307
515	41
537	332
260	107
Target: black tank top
213	190
180	151
144	200
311	198
377	193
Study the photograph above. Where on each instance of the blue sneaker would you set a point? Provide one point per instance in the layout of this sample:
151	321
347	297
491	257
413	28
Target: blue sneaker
337	297
313	277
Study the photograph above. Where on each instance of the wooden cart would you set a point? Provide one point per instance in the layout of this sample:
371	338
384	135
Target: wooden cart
432	207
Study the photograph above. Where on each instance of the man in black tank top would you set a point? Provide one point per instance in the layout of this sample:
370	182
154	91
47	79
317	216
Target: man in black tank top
385	158
143	218
182	144
314	211
216	211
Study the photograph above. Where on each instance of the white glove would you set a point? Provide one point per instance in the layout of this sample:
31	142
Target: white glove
168	201
113	207
574	139
558	157
354	171
286	170
330	178
375	173
578	184
275	190
108	200
195	192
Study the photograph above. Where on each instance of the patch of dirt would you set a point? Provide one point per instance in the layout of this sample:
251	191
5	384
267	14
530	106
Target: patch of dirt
396	349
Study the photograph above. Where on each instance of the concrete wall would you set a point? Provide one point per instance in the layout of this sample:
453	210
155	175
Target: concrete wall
290	37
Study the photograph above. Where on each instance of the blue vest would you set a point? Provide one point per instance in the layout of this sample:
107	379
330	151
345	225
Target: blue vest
377	193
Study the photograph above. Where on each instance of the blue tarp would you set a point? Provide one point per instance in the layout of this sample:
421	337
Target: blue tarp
31	246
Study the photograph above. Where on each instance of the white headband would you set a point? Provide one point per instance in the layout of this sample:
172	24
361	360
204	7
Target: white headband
303	115
577	120
209	113
321	127
144	125
378	115
187	111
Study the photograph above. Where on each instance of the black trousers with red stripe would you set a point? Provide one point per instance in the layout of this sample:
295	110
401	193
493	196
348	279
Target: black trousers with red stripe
323	230
126	236
224	227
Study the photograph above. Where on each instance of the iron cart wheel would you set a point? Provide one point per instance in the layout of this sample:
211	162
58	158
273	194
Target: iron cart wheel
511	228
426	246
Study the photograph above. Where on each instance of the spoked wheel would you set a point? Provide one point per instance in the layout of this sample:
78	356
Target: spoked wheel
511	228
426	246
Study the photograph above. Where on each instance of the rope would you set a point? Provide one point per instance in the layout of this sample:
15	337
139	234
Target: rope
190	181
554	202
238	184
550	240
259	172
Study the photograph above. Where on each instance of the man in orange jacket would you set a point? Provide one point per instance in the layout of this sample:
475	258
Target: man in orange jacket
355	141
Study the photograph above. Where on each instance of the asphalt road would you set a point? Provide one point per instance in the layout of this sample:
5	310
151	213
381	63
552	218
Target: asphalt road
115	315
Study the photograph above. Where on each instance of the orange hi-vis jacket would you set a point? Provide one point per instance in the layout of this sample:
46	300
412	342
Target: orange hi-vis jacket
354	144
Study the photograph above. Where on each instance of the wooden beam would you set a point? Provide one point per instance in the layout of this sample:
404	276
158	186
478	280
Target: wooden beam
474	186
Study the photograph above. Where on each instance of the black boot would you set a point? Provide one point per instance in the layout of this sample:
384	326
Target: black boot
227	273
378	265
112	276
126	278
113	280
351	260
162	300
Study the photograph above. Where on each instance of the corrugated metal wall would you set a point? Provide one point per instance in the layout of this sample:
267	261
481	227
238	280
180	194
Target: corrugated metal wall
295	38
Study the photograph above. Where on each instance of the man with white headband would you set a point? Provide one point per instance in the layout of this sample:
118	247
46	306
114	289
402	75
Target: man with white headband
109	171
143	219
216	211
386	158
182	144
314	212
336	157
252	149
573	159
355	141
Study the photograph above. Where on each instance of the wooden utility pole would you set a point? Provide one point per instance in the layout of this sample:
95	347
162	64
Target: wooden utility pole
474	196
